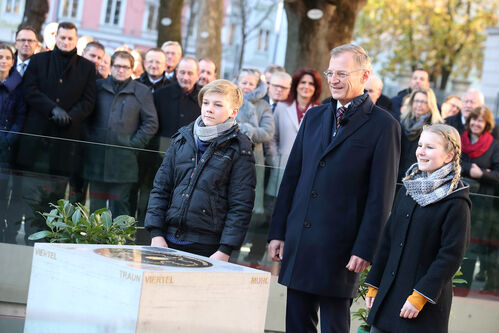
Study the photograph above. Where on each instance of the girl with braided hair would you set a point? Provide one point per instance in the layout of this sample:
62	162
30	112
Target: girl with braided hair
423	243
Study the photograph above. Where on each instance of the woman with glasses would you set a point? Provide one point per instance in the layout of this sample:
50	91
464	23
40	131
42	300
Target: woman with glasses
480	162
418	109
256	121
12	116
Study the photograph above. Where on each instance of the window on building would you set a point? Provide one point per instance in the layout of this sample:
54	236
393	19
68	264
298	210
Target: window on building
113	12
263	40
12	6
70	8
151	17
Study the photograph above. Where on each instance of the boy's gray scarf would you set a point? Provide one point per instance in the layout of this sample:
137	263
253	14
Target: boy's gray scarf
426	189
210	133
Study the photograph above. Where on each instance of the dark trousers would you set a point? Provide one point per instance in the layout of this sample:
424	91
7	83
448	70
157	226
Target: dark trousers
301	313
117	195
377	330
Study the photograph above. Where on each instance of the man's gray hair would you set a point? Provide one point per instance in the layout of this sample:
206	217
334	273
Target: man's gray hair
359	54
186	58
172	42
476	92
282	75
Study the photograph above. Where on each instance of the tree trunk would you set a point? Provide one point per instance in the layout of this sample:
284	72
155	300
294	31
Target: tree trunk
35	13
310	41
209	32
190	22
172	10
242	5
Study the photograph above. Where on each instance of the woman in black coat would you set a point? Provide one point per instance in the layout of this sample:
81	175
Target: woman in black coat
410	282
480	162
12	116
419	109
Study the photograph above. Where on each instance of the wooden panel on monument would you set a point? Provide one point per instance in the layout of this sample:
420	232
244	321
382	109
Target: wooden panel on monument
106	288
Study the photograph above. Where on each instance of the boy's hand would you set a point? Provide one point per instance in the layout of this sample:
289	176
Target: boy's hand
409	311
220	256
159	241
276	249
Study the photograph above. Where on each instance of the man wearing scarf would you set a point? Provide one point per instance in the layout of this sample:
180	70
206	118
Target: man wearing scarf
60	95
124	116
59	89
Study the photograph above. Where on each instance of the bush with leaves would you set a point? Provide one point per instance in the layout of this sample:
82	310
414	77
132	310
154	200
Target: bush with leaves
70	223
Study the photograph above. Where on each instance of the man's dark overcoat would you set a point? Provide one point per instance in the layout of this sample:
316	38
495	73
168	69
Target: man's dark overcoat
175	108
126	118
421	249
47	84
335	197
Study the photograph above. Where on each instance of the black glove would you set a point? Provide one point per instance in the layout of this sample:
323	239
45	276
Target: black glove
60	116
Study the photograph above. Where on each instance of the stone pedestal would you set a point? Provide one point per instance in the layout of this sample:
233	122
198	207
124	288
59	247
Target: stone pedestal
104	288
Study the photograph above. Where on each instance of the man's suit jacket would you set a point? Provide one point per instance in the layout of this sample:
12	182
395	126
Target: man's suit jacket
335	197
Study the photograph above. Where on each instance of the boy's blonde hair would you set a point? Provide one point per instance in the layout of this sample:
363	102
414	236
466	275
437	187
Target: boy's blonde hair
452	144
223	87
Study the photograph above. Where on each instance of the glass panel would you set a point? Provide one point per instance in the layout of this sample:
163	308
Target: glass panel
65	8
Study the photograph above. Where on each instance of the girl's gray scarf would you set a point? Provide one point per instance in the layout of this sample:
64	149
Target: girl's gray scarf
426	189
413	128
210	133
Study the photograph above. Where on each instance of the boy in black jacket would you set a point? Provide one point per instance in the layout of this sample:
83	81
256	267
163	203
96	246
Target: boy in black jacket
204	190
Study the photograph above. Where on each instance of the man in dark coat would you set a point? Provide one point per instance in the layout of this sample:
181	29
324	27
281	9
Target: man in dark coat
124	116
59	89
335	196
473	98
173	52
154	75
419	79
177	103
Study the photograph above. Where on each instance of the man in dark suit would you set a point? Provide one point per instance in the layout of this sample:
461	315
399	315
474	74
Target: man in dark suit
59	89
419	79
25	44
177	103
473	98
335	196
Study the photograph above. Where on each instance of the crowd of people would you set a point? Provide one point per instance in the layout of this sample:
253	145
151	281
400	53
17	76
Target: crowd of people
92	126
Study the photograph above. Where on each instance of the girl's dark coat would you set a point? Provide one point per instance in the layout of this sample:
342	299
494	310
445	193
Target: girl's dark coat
421	249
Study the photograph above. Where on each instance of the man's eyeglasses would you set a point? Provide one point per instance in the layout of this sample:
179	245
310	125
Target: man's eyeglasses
340	74
118	67
30	41
278	86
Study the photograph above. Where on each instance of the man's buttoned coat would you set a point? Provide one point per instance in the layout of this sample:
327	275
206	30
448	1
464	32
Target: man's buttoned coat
335	197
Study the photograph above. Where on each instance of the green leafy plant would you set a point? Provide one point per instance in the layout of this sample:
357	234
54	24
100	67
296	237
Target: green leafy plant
72	223
362	313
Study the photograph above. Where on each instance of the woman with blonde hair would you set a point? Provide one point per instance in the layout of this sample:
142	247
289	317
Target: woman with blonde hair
424	240
419	109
